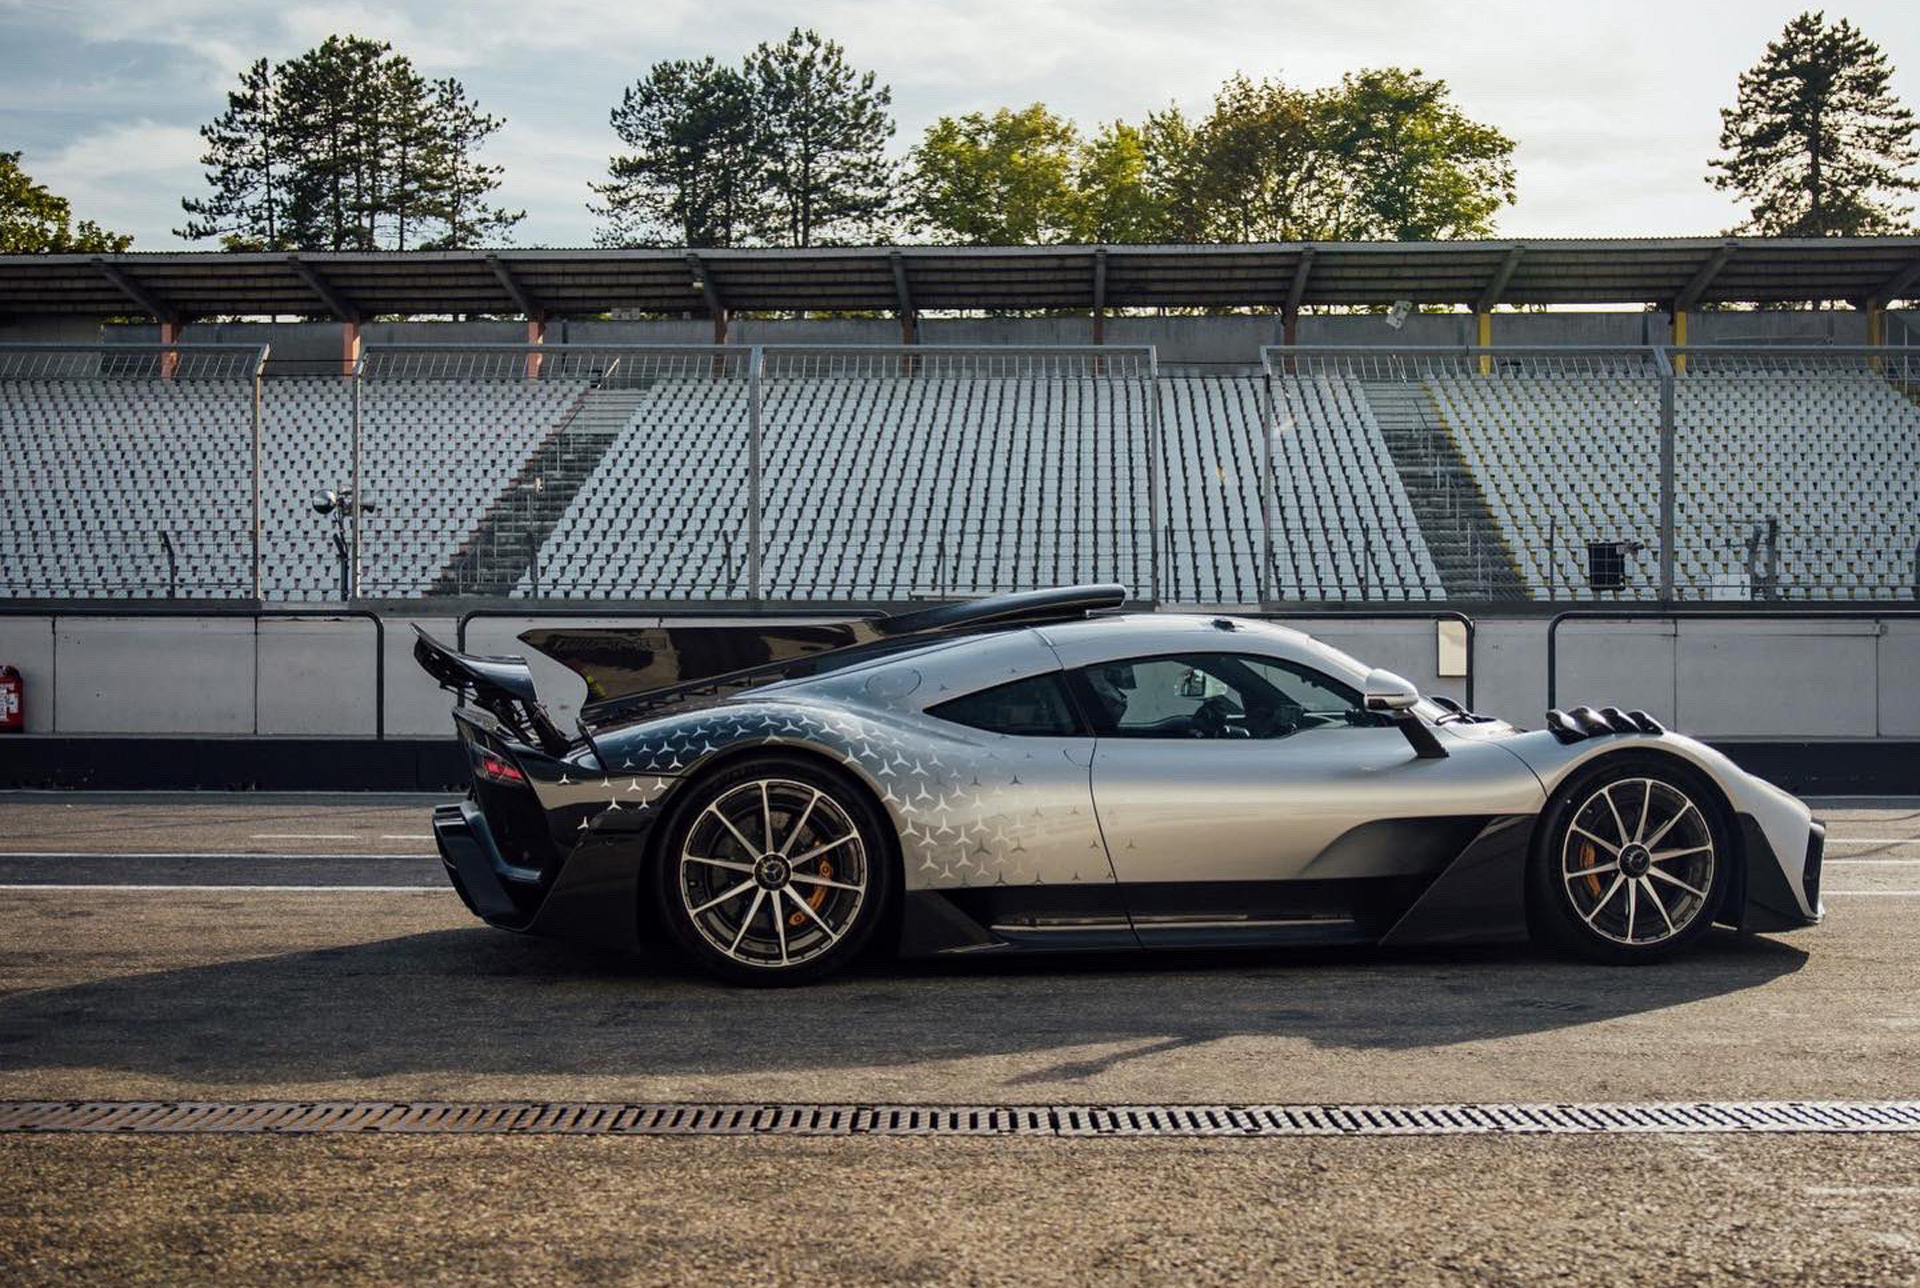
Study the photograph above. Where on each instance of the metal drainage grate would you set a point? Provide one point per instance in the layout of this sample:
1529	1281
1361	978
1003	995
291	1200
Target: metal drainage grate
635	1119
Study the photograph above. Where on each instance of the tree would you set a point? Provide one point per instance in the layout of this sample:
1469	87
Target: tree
246	169
457	183
820	132
346	147
1262	170
34	221
1000	180
692	171
1414	167
1114	200
1817	144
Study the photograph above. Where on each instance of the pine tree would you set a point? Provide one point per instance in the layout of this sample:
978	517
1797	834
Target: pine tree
820	135
691	174
347	147
245	168
458	182
1817	144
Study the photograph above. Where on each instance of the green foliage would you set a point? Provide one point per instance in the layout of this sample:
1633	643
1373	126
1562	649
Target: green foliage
788	149
1001	180
1413	166
689	173
820	137
1383	155
347	147
34	220
1114	197
1817	144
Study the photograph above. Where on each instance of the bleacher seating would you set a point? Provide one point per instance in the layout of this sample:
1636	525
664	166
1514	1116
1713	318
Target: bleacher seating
1833	457
880	485
95	470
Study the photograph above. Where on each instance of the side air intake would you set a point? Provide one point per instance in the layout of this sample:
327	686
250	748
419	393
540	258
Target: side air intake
1582	723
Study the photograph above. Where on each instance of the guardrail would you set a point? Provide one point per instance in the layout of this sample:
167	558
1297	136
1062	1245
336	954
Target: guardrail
1703	614
244	614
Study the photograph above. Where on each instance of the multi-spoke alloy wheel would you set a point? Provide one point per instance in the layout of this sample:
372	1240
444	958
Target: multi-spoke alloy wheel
1633	862
775	872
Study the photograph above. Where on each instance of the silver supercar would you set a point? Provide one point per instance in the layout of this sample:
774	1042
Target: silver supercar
1042	772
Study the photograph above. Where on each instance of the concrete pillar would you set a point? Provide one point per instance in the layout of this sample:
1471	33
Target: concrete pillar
169	360
349	346
1876	325
1099	326
1680	341
720	319
1483	337
536	334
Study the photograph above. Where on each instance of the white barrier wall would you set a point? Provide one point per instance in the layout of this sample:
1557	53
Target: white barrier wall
315	677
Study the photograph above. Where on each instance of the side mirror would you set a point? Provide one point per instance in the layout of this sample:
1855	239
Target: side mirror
1389	692
1395	696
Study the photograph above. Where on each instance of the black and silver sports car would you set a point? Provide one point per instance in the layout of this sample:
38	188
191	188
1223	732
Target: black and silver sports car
1042	772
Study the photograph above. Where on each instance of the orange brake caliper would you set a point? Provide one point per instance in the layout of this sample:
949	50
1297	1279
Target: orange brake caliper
814	900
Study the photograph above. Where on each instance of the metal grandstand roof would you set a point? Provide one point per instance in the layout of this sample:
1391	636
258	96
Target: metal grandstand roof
367	284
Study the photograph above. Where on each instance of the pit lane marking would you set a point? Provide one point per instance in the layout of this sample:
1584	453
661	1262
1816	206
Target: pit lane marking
147	886
203	854
304	836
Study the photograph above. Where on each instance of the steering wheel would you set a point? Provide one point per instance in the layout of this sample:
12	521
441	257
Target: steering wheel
1210	720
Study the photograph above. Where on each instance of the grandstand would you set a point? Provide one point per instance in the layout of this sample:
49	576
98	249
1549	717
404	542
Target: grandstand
814	473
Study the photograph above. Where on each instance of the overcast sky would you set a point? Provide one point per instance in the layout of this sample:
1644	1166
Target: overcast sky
1615	105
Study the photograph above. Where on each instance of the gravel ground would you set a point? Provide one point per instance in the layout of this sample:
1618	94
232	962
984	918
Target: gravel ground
1619	1210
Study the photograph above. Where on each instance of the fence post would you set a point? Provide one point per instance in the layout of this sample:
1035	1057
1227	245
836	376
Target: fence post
756	361
353	581
1266	484
259	375
1153	471
1666	474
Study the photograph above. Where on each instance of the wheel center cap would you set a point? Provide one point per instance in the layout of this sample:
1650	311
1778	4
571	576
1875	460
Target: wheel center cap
1635	860
772	872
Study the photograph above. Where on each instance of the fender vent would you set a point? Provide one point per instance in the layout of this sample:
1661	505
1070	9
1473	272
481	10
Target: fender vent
298	1118
1581	723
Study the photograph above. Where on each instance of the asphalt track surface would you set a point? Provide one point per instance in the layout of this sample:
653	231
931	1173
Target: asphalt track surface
305	948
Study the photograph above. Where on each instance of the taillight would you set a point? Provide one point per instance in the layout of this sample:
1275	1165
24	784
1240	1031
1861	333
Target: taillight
496	770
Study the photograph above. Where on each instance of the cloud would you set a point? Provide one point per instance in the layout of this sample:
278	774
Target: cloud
1614	107
117	175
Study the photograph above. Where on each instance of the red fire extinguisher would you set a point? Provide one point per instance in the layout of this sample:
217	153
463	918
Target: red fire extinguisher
13	701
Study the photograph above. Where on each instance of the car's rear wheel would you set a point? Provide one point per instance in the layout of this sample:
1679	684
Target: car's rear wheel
1631	863
774	871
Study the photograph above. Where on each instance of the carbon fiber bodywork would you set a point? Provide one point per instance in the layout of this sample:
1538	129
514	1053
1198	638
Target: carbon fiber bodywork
1012	842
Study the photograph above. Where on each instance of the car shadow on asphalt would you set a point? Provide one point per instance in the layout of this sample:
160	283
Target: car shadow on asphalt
479	1001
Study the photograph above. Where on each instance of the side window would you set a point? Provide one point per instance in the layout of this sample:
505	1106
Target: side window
1216	695
1034	707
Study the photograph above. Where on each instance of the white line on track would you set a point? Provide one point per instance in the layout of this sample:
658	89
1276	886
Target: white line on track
304	836
1870	863
406	836
199	854
1884	894
204	889
1873	840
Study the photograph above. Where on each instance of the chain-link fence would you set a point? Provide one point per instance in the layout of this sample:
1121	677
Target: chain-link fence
129	471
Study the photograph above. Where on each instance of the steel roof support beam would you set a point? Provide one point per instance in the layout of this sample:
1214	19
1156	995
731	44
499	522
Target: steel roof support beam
1099	294
515	292
1703	278
1296	292
903	299
335	303
1898	287
1497	286
143	299
716	307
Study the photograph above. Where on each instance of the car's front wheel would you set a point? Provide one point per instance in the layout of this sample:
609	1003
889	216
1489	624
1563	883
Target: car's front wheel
774	871
1632	862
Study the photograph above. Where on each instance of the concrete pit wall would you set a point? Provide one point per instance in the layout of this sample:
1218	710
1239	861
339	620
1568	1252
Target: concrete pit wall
315	677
